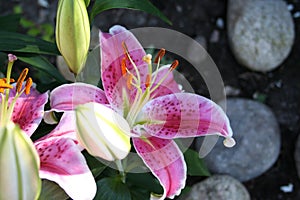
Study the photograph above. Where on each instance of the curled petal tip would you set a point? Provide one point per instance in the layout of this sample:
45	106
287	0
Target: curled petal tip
229	142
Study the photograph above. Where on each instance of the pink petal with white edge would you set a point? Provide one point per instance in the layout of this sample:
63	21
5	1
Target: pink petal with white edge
168	86
65	129
112	53
166	162
68	96
184	115
28	110
63	163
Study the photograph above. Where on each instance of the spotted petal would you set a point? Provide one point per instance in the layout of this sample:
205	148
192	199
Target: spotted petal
68	96
165	161
168	86
112	53
184	115
63	163
65	129
28	110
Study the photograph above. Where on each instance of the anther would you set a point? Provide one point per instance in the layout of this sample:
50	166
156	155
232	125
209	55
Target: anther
123	66
159	55
28	85
174	65
129	81
147	58
10	80
21	79
148	80
4	85
125	49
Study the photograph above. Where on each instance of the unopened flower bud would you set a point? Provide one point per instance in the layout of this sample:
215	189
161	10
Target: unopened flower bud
73	33
19	165
102	132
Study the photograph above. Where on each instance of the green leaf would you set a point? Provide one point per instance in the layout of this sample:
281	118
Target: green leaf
143	5
112	188
16	42
51	191
95	165
41	63
87	2
146	181
10	22
138	193
195	165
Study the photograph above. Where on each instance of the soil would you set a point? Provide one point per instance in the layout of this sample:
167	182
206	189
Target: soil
280	87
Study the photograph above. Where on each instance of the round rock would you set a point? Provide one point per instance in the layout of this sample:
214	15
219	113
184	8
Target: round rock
257	136
221	187
261	33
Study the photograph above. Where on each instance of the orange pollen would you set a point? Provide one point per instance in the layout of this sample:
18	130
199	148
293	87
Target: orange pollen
11	80
129	81
159	55
28	85
174	65
148	80
21	79
123	66
4	85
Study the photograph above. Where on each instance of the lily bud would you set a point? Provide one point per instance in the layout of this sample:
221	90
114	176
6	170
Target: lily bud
73	33
102	132
19	165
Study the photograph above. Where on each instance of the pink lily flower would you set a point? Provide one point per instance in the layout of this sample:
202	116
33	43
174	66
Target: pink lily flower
60	155
156	110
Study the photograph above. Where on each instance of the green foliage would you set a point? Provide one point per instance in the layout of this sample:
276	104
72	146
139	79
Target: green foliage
16	42
112	188
10	22
195	165
41	63
143	5
52	191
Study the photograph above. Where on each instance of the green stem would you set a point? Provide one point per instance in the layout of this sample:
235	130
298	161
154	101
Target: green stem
5	102
121	170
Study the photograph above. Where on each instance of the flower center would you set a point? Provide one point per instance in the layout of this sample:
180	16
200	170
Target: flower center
6	108
144	88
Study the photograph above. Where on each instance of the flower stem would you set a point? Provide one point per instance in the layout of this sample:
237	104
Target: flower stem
121	170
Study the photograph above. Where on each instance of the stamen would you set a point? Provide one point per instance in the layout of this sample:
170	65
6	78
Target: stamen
129	81
21	79
28	85
4	85
123	66
11	80
147	58
159	55
148	80
174	65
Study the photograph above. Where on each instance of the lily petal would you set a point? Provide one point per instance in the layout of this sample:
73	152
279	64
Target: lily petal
68	96
166	162
168	86
63	163
65	129
184	115
112	53
29	110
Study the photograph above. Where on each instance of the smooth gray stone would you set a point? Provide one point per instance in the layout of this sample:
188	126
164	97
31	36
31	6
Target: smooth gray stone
260	32
220	187
257	136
